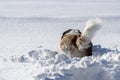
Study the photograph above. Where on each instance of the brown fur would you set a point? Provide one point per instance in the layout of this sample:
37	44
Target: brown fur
70	44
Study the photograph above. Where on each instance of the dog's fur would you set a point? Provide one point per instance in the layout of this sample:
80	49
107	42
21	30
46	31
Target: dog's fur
77	44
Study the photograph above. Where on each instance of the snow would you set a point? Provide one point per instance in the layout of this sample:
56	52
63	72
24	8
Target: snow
30	31
45	64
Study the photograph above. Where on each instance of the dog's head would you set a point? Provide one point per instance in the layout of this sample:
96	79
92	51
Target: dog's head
71	31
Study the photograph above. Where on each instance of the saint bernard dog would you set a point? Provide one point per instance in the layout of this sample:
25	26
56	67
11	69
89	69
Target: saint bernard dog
77	44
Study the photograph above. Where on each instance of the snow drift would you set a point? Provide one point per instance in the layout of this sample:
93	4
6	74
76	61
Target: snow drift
45	64
27	24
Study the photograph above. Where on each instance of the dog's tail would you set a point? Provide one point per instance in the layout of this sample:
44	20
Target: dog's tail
91	28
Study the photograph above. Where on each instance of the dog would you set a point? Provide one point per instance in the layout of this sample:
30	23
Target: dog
78	44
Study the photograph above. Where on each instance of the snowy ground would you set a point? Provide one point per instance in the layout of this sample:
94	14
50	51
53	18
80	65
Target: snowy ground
30	32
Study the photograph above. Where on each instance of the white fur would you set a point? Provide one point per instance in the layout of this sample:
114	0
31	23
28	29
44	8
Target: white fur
84	41
74	31
91	28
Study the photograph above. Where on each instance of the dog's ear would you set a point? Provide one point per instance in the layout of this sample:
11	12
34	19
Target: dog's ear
67	31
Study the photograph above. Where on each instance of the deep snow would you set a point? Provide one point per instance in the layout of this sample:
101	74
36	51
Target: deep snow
45	64
30	32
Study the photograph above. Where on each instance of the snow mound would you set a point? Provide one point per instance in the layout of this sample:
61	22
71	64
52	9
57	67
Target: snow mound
45	64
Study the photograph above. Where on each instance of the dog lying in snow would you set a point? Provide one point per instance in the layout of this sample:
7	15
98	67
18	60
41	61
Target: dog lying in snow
77	44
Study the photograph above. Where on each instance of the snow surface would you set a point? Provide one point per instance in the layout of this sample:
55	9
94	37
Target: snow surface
45	64
30	31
